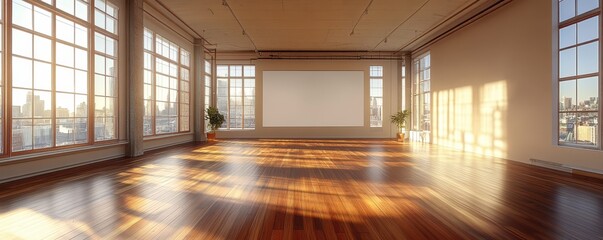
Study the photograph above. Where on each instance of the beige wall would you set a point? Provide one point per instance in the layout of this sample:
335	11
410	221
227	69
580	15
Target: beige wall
492	88
390	81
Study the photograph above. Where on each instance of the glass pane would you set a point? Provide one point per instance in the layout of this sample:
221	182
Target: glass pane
99	64
588	92
588	58
22	103
81	36
22	43
42	48
99	42
110	107
567	63
567	95
81	59
22	135
222	71
567	36
587	125
567	133
81	130
99	128
110	87
65	105
66	5
99	85
110	46
42	133
42	101
249	71
81	10
81	82
22	72
42	21
65	55
81	105
65	131
587	5
22	14
99	106
42	76
236	71
66	29
65	79
588	29
99	19
567	9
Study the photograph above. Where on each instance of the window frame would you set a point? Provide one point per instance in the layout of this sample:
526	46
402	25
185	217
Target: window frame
376	77
417	91
557	80
228	78
179	65
7	79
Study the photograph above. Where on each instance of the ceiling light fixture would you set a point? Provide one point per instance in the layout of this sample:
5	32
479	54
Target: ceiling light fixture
225	3
396	28
365	12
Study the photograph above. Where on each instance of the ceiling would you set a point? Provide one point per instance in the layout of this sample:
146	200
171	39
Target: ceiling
316	25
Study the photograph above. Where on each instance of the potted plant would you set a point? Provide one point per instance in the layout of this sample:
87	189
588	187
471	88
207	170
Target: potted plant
216	119
400	120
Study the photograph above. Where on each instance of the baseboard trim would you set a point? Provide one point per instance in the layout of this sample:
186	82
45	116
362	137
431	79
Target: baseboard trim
587	174
29	175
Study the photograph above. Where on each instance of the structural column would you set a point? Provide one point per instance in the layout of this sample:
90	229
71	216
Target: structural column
135	78
199	88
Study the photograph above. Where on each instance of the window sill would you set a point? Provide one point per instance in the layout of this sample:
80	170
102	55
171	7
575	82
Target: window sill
53	153
579	147
163	136
235	130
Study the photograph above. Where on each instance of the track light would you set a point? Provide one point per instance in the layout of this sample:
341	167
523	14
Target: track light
366	11
224	3
351	33
385	41
244	33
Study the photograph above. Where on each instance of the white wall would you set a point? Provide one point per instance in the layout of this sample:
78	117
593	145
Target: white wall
390	81
492	88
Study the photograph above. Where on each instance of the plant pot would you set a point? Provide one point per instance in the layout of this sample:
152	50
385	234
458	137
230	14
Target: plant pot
400	137
211	136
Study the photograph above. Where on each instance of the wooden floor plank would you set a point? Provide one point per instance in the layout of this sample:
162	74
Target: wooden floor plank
304	189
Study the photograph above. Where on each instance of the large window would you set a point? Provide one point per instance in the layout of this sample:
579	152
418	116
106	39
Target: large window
166	86
376	95
421	94
236	95
51	71
579	74
105	71
208	84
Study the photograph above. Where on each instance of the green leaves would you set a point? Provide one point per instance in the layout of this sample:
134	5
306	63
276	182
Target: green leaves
216	119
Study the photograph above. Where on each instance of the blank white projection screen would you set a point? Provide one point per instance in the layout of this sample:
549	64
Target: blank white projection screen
313	98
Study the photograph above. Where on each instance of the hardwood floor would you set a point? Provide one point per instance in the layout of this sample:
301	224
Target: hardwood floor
304	189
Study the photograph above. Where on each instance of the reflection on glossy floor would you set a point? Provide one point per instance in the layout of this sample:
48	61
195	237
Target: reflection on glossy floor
304	189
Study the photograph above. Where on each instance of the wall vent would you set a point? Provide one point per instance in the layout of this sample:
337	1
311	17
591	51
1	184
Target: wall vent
551	165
